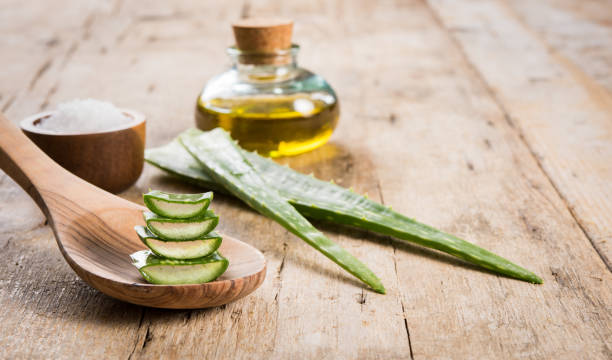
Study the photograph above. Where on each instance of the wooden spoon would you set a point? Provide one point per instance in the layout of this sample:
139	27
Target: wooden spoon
95	233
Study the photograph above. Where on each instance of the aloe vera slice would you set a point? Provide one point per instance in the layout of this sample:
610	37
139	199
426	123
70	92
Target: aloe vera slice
177	206
187	249
223	160
181	229
322	200
159	270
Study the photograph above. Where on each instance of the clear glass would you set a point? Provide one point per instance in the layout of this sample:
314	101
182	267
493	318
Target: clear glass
272	106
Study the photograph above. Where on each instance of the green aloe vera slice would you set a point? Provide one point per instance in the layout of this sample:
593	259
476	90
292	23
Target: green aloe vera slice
181	229
177	206
225	163
159	270
187	249
322	200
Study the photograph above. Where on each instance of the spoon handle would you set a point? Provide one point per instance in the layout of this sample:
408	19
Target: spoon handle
25	163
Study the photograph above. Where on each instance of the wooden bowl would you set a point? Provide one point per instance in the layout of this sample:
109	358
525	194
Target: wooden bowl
112	160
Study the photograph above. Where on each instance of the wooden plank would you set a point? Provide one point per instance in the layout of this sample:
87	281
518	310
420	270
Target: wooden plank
492	41
322	312
449	158
442	131
581	31
302	285
163	82
46	311
35	44
564	116
418	130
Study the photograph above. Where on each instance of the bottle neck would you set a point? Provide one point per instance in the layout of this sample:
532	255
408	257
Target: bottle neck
265	67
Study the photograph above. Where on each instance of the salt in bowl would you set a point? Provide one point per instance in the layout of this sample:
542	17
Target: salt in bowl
112	160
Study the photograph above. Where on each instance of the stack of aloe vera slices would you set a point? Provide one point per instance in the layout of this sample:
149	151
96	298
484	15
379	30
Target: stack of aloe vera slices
212	160
181	241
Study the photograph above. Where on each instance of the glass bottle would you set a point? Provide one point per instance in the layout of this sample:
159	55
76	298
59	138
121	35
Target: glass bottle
265	100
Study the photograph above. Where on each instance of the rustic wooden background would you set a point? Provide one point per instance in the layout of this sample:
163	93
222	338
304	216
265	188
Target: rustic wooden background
489	119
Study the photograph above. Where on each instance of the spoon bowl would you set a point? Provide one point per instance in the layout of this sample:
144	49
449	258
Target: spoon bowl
95	233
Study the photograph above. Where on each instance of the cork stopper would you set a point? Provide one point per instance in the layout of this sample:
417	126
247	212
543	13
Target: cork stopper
264	40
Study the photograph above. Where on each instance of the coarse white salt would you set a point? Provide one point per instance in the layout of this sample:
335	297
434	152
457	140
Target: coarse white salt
84	116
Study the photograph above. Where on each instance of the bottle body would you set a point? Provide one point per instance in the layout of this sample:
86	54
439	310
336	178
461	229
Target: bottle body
277	110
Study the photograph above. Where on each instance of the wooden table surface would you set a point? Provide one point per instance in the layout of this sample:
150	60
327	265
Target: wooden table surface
491	120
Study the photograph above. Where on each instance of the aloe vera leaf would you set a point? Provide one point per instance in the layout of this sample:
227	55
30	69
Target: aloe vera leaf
174	159
177	206
188	249
181	229
160	270
322	200
223	161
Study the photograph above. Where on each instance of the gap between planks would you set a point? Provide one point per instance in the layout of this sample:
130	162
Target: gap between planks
399	288
144	342
516	127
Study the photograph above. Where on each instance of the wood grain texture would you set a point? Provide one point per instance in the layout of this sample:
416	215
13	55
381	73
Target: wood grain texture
580	31
563	115
420	130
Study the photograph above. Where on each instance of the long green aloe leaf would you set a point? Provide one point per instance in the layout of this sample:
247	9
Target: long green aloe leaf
322	200
326	201
224	162
174	159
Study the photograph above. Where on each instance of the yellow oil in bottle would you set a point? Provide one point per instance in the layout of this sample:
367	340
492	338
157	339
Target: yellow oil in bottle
274	125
